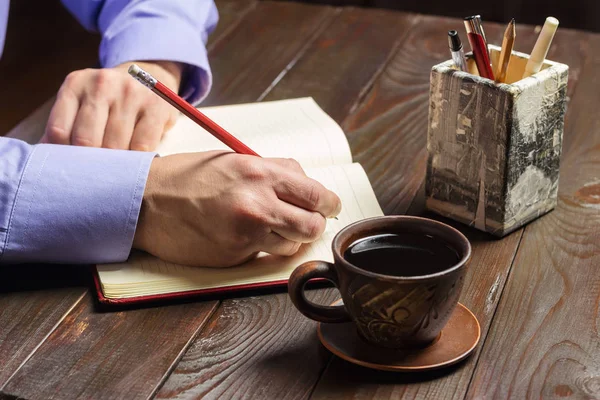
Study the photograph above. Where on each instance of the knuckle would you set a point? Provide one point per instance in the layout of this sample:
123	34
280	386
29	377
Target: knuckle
293	164
77	140
314	227
291	248
56	134
102	76
72	77
103	80
141	146
252	169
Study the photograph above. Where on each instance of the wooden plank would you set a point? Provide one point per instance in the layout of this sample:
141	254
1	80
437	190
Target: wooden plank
545	338
33	299
43	34
257	51
117	355
28	316
404	91
350	54
256	347
262	347
231	13
396	109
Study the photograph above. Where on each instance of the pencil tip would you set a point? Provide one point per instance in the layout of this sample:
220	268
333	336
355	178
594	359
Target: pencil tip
512	21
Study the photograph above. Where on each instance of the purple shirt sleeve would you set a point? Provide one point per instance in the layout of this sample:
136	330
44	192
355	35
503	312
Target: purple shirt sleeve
138	30
64	204
4	5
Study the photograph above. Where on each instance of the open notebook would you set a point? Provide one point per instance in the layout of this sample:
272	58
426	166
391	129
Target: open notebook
295	128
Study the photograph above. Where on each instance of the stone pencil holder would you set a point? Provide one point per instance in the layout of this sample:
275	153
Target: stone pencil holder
494	149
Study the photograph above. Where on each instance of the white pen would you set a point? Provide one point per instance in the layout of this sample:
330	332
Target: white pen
542	45
456	49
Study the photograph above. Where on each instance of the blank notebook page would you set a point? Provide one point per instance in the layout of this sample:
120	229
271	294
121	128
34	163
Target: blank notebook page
144	274
296	128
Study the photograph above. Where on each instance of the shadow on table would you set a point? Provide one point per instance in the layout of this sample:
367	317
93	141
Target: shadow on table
344	372
28	277
341	376
474	235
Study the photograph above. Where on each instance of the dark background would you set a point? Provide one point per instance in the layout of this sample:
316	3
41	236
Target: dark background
43	38
576	14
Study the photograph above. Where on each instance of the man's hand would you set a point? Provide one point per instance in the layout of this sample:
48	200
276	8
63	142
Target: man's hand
108	108
220	209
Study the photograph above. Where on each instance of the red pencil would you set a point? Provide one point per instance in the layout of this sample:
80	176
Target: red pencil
479	46
190	111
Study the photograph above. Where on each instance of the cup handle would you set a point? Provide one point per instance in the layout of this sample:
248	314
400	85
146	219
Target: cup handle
298	279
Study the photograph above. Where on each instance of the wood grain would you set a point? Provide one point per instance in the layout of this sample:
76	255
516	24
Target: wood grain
231	13
258	347
31	308
545	337
388	133
483	285
15	66
345	60
492	259
110	355
253	338
252	56
43	44
33	299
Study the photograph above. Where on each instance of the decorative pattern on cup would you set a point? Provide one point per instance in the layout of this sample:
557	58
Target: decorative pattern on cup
409	318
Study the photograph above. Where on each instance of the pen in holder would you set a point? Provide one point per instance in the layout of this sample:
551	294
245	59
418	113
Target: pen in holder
494	148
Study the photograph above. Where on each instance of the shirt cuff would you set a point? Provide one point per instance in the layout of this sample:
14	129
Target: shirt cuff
146	38
77	205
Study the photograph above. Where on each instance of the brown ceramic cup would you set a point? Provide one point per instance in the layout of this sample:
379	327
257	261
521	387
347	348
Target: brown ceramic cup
390	311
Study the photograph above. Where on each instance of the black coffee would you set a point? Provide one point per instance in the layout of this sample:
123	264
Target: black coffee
401	254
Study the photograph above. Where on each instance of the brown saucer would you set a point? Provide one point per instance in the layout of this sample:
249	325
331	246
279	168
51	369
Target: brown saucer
457	340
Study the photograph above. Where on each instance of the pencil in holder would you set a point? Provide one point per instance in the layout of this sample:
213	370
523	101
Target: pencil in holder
494	148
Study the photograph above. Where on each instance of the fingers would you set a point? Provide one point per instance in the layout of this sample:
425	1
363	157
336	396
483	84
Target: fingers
297	224
61	119
307	193
90	123
147	133
277	245
119	127
105	107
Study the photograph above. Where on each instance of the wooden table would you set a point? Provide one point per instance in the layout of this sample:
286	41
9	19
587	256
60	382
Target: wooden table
536	292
